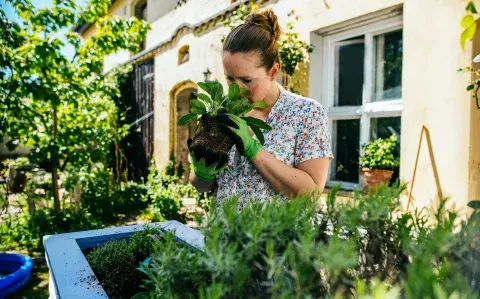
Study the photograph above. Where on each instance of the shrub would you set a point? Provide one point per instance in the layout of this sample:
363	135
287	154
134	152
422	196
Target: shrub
289	250
106	200
115	263
166	193
25	231
379	154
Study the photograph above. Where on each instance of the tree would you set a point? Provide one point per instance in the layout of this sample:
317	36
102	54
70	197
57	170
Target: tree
63	108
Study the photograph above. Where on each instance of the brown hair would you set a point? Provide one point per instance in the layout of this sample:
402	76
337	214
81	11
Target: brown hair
261	33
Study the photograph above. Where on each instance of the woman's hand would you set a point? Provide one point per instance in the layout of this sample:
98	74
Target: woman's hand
206	164
237	128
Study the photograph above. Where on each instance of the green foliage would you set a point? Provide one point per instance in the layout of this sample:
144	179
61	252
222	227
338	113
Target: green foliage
105	199
115	263
215	102
362	248
166	192
103	196
25	231
379	154
469	26
293	50
63	108
19	162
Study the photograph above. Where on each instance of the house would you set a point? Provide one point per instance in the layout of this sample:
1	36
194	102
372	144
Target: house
378	67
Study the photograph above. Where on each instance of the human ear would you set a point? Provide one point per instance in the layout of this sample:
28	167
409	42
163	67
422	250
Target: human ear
274	71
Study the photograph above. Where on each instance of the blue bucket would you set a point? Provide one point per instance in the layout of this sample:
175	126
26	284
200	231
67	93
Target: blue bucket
17	268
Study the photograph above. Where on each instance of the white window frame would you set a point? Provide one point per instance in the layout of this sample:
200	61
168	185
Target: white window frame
369	108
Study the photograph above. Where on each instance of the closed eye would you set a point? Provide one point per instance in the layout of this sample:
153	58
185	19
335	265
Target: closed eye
246	81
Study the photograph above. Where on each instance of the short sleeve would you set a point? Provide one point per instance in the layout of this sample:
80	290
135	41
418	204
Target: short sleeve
313	138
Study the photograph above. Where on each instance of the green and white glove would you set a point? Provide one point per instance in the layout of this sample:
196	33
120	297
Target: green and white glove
238	130
206	164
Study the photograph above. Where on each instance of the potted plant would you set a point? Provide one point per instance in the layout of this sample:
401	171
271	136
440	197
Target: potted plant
204	107
16	177
378	162
99	263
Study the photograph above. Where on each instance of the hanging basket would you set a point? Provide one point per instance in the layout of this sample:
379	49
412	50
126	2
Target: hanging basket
16	180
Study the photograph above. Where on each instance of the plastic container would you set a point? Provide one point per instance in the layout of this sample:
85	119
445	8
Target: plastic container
15	272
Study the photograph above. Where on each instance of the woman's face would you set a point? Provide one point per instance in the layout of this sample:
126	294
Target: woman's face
243	68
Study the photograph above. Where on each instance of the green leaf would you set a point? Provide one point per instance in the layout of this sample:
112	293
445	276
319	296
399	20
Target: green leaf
259	134
471	7
468	34
204	86
199	104
470	87
213	90
235	105
255	122
233	91
474	204
184	120
244	91
260	105
244	109
218	93
198	110
467	21
205	98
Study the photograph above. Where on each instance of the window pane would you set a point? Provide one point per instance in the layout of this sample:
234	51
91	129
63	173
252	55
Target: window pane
346	150
349	72
388	66
384	127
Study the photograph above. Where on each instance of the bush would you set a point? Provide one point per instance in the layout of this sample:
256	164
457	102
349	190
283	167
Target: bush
354	249
166	192
25	231
106	200
379	154
130	197
115	263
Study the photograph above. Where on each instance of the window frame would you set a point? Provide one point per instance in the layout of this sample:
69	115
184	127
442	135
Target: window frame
369	108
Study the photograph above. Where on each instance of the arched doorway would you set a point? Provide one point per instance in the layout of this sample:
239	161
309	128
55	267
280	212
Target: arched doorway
182	133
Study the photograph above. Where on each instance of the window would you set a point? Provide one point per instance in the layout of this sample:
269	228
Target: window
141	14
362	91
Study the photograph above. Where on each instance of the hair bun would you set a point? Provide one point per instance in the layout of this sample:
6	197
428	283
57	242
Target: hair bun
267	20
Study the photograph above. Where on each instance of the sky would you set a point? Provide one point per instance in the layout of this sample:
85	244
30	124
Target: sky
67	50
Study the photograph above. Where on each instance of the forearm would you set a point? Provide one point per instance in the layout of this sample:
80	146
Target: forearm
285	179
201	185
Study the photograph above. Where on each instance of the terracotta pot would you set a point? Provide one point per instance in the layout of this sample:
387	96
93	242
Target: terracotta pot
373	177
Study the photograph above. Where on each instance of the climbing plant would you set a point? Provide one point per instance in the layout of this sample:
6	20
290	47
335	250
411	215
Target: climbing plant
469	24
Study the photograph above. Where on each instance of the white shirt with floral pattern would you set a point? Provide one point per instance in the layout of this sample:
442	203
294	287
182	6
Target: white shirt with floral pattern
300	133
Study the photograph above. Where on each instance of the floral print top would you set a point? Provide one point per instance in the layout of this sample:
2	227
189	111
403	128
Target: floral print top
300	132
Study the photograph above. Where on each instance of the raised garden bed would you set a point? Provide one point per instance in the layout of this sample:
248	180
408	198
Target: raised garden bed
70	273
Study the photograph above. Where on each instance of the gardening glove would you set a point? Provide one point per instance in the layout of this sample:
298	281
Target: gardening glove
237	128
206	164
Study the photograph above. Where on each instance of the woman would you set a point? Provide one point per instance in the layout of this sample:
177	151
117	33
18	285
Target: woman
296	153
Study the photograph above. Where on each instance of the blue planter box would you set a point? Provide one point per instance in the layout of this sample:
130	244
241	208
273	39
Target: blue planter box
70	273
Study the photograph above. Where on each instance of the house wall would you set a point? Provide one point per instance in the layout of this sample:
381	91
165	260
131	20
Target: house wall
434	96
433	92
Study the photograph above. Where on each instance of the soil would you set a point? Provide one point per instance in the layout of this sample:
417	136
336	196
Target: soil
210	136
